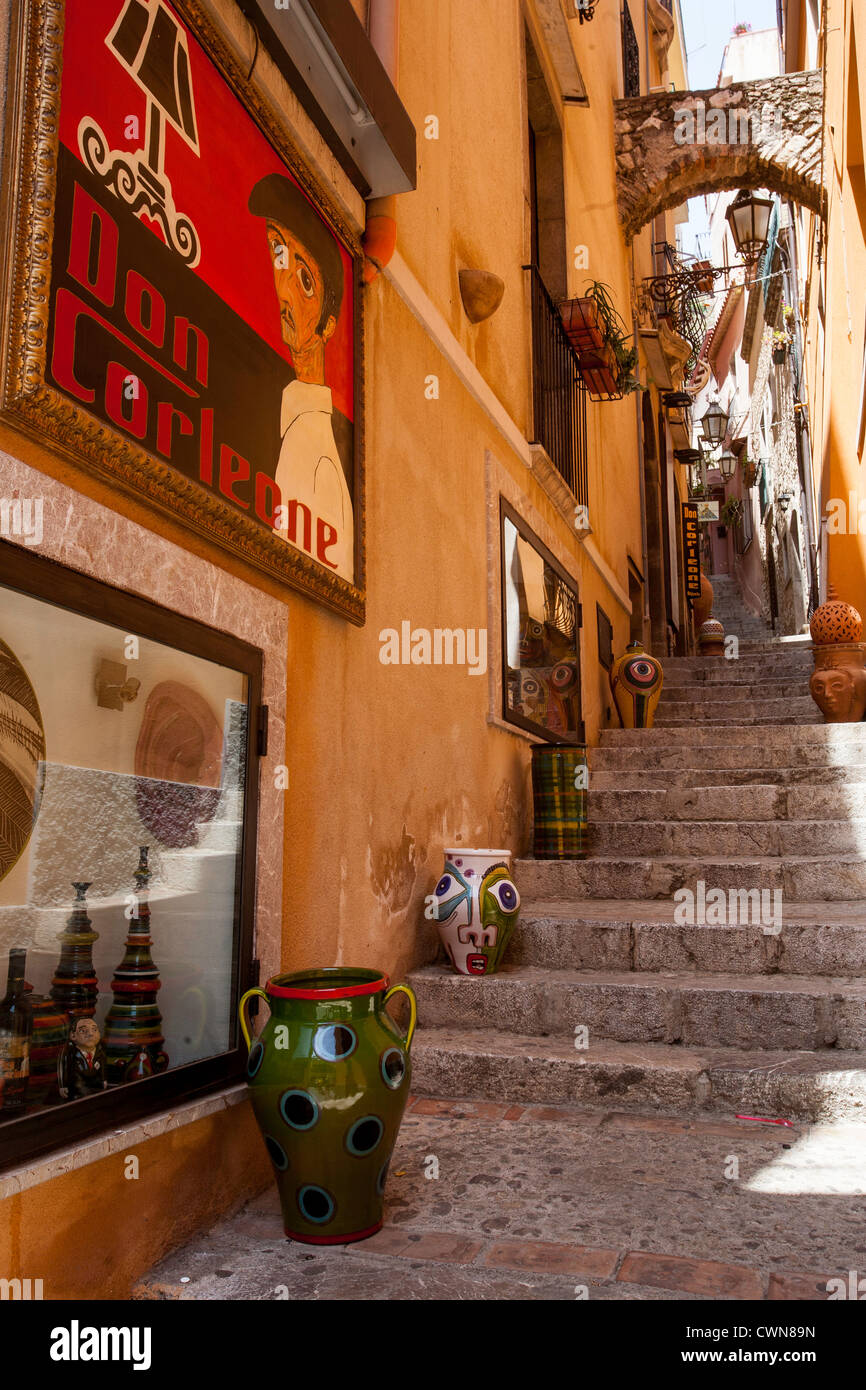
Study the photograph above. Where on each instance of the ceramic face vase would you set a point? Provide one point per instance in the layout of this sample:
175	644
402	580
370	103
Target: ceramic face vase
329	1080
476	905
636	680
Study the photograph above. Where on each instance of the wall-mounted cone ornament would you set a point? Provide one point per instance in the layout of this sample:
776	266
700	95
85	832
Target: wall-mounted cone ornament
132	1035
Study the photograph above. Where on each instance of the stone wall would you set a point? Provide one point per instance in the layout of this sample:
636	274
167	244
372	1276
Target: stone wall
671	146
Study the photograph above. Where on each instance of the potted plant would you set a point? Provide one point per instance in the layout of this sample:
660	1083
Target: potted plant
608	369
582	323
731	512
750	471
781	343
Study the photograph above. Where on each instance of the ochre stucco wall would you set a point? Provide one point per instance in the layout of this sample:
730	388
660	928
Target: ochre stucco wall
92	1232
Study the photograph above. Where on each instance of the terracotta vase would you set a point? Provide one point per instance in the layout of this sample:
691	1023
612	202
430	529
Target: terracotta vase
838	682
47	1041
476	905
711	638
560	779
329	1080
134	1021
703	605
636	680
835	622
75	987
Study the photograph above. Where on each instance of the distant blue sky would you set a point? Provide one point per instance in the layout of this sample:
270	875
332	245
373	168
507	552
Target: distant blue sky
708	25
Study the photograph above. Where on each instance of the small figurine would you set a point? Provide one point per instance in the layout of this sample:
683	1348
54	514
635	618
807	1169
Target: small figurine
81	1065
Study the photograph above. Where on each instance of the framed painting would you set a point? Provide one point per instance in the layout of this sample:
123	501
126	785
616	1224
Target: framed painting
181	301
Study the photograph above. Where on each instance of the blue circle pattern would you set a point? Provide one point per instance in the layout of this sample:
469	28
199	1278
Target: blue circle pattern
256	1057
286	1097
311	1190
354	1133
326	1038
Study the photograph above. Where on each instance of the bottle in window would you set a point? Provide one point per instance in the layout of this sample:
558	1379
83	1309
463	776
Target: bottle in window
16	1027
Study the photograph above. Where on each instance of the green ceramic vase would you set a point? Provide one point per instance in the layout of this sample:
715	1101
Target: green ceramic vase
329	1080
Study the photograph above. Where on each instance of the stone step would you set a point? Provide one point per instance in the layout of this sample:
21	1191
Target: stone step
483	1064
757	721
815	939
700	803
768	662
841	739
816	878
694	838
721	693
720	762
637	777
798	1012
732	711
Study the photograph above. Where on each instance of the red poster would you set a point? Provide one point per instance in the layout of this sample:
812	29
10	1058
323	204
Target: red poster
202	303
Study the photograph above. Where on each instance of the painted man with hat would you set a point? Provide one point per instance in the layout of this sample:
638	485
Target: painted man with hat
308	277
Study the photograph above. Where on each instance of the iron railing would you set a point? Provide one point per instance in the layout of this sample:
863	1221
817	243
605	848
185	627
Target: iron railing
630	55
558	392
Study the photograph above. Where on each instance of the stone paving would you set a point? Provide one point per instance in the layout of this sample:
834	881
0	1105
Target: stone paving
554	1203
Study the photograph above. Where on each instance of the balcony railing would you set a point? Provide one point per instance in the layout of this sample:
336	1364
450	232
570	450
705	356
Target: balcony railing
558	393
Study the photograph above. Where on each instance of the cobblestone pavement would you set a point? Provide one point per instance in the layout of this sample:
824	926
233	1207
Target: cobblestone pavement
548	1203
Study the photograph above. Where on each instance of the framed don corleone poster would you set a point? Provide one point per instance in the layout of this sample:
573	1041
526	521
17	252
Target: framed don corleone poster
182	308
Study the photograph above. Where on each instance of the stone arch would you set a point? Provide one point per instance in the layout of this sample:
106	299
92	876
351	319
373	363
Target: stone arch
671	146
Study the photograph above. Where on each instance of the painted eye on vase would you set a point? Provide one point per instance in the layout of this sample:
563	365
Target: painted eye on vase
446	886
506	895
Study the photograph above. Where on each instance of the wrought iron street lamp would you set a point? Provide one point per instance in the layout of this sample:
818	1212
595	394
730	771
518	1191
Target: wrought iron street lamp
727	465
714	425
749	220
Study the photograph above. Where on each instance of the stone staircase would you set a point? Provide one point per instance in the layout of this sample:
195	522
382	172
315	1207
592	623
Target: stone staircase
609	998
732	613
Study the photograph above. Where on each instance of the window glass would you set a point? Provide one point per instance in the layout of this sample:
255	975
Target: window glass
542	663
122	770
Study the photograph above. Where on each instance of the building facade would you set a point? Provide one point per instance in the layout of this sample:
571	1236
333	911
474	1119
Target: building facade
306	492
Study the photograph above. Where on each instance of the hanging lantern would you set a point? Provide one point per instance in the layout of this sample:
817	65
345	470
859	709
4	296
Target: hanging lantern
727	465
714	425
749	220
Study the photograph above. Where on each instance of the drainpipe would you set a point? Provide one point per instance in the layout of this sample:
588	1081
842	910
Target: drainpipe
380	233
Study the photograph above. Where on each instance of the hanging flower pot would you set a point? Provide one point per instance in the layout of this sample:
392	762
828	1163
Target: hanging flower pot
600	371
779	355
583	325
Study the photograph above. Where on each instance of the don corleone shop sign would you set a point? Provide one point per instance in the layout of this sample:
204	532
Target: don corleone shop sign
182	306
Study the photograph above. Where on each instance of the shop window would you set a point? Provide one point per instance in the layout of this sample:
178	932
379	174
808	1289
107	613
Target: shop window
127	854
541	620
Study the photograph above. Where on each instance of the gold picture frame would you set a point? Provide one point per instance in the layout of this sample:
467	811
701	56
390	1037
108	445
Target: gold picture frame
30	403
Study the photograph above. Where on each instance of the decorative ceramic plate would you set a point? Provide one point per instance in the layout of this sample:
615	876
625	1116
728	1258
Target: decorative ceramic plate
22	759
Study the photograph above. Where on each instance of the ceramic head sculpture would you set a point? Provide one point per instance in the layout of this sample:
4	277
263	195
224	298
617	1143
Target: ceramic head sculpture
636	680
839	691
476	906
838	684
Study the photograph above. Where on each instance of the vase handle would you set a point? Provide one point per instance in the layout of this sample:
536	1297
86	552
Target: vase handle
242	1014
413	1009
